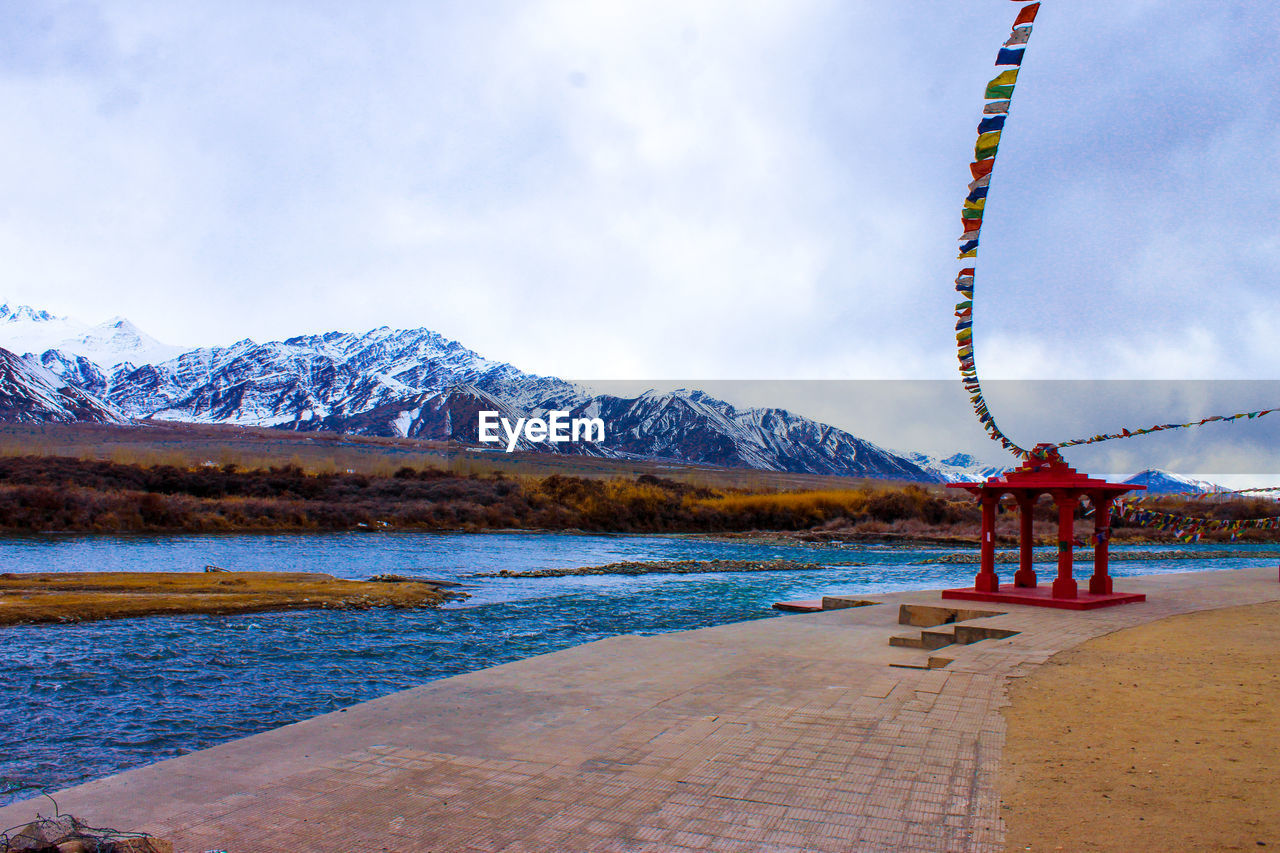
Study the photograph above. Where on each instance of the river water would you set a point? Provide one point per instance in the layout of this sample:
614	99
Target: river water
78	702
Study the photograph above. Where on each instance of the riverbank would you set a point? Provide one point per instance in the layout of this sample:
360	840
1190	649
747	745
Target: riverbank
805	733
1159	737
66	597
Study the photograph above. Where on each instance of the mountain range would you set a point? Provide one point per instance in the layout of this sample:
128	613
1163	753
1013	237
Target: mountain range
403	382
1159	482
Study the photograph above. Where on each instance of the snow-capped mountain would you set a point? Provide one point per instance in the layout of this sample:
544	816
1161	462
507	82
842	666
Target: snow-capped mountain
1160	482
417	383
957	468
689	426
330	378
693	425
31	394
28	330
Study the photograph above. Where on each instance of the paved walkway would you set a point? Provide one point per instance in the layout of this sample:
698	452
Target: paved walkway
790	734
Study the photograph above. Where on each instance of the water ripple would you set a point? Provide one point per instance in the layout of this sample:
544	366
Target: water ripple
78	702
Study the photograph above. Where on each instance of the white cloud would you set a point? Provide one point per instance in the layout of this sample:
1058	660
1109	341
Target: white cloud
707	189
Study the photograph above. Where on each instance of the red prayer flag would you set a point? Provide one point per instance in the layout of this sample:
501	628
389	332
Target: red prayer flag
980	168
1027	15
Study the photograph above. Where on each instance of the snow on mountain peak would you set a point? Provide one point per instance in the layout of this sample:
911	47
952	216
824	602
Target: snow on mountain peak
1159	481
24	329
25	313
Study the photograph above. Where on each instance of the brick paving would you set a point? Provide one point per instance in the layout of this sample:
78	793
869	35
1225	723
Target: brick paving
804	733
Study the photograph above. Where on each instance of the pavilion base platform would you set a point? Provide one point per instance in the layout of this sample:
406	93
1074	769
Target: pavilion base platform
1042	596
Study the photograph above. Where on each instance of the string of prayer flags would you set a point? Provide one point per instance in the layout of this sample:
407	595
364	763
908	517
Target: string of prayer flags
1127	433
1187	528
998	94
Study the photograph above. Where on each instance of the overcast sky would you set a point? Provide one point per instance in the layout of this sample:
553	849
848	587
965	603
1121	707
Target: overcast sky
655	189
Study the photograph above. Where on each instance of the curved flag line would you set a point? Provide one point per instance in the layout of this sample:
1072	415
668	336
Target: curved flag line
999	96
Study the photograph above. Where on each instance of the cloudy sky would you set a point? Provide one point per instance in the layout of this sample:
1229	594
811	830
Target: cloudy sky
659	189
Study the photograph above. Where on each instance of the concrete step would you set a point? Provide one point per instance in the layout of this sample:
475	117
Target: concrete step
924	640
945	626
933	662
811	606
966	634
936	639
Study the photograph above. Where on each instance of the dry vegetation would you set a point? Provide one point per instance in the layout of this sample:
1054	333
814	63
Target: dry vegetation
81	596
67	494
180	477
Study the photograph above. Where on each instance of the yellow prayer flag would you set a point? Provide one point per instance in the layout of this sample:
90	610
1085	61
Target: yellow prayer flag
1005	78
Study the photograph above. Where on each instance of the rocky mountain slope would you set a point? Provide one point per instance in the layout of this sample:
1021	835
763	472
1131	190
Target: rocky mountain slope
417	383
31	394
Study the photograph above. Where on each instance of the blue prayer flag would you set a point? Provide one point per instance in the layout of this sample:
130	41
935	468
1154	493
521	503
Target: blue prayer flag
1009	56
992	123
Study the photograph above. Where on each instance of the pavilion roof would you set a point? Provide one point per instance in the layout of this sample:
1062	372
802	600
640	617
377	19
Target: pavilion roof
1042	472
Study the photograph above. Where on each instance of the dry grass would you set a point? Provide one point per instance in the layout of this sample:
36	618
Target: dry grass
186	445
83	596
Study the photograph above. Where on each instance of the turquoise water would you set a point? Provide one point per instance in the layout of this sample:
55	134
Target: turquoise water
78	702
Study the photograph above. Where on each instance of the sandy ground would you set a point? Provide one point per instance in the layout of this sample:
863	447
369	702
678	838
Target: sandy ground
81	596
1164	737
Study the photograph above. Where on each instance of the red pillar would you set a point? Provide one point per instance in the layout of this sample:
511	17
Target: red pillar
1026	575
1100	583
987	580
1065	585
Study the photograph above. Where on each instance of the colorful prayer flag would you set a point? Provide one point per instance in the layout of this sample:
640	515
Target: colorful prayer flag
1010	56
1020	35
1005	78
1027	15
992	123
984	181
